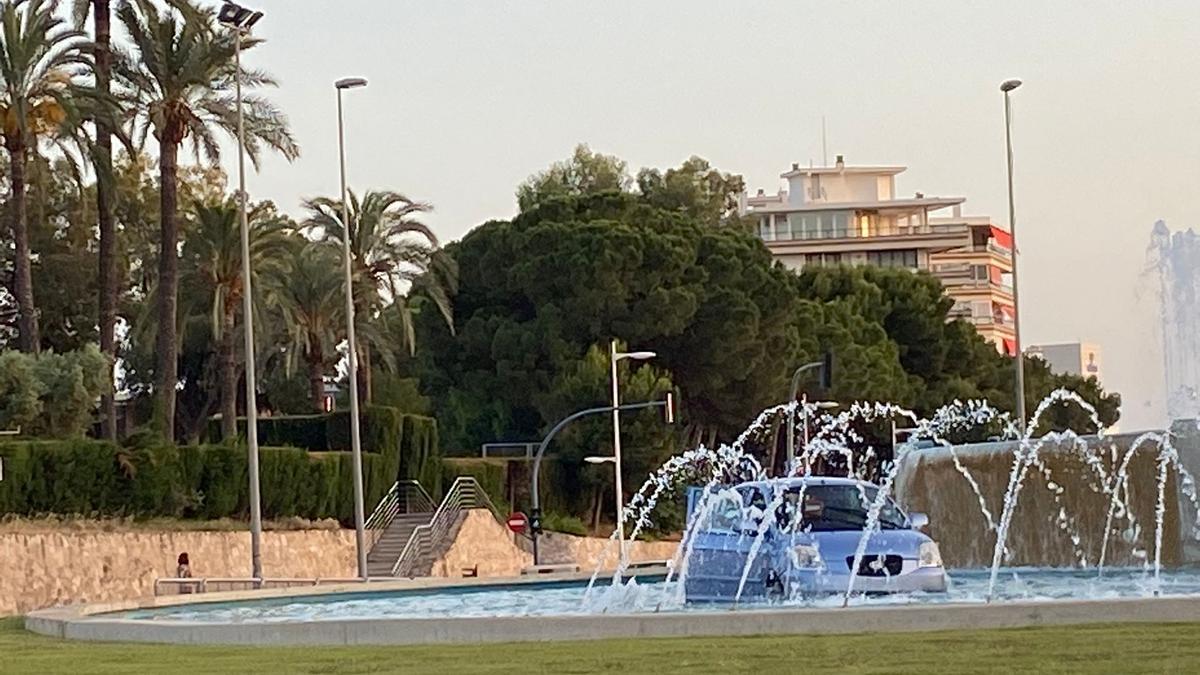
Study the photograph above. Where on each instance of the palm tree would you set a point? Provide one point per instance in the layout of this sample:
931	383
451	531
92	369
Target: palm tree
212	259
181	76
393	254
36	52
100	11
308	294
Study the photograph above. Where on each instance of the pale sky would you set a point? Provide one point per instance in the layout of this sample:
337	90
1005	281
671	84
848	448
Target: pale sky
466	99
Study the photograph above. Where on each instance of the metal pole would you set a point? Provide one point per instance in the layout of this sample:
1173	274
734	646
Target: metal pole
248	326
355	439
1012	228
616	416
804	403
537	458
791	426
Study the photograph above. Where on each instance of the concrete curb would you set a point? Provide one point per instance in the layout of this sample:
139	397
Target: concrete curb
87	623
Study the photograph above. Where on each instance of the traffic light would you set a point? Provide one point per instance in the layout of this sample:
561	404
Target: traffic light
827	371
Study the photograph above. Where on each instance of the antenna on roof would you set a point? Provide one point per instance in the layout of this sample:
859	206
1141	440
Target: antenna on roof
824	145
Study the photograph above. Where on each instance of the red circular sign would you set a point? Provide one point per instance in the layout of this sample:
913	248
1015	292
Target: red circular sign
518	523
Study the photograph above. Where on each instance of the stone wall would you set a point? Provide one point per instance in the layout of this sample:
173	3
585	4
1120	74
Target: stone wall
43	569
485	543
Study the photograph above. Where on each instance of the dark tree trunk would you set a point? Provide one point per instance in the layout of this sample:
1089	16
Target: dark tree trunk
316	383
364	375
104	207
227	373
27	320
167	370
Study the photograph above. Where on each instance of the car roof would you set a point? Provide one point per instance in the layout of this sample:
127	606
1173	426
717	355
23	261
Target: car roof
797	481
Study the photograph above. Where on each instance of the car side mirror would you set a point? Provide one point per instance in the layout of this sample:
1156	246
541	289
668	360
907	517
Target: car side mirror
918	520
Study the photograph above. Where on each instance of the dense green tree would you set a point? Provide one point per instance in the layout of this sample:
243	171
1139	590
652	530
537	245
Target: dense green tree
37	50
108	284
535	294
308	294
179	79
390	248
212	262
584	173
695	189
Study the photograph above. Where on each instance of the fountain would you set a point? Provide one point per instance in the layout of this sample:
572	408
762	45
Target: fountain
1174	261
1020	519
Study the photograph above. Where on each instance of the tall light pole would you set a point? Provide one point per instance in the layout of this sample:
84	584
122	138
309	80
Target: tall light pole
355	437
1007	87
241	20
616	356
826	366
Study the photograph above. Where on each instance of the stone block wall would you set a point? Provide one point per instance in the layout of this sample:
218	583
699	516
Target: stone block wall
44	569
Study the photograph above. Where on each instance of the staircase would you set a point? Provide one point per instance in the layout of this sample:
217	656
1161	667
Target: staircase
391	543
413	533
405	507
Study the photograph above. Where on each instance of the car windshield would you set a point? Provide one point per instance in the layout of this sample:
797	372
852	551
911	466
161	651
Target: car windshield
829	508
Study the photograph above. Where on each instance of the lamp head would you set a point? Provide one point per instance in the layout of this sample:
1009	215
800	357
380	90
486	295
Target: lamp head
637	356
1009	85
350	83
233	14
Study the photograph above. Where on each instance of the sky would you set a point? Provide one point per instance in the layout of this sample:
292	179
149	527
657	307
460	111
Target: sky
467	99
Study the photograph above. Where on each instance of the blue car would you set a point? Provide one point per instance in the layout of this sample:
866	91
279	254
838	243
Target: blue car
803	534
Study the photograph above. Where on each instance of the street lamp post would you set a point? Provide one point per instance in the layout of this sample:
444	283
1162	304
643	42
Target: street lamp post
355	436
241	20
668	405
616	356
826	366
1007	87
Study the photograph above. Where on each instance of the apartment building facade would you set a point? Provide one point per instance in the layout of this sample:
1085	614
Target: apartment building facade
852	215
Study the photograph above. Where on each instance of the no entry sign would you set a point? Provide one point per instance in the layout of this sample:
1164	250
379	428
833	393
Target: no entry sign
518	523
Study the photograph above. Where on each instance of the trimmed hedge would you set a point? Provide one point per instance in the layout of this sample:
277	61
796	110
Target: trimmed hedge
503	478
382	428
90	477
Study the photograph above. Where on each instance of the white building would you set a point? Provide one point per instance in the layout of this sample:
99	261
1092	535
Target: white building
1074	358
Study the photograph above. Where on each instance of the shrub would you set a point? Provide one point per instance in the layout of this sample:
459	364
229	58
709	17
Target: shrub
20	391
98	478
557	522
51	394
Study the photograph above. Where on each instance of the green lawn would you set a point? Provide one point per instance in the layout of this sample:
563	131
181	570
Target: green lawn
1139	648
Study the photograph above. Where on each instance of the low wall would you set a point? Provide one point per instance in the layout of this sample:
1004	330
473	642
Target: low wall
485	543
44	569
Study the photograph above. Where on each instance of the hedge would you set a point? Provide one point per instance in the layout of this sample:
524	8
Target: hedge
502	479
98	478
382	429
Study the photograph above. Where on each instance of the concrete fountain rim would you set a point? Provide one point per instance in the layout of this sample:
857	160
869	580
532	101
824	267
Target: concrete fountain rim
95	622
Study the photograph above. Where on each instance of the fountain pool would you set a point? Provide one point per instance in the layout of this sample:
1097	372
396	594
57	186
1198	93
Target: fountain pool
1060	528
654	595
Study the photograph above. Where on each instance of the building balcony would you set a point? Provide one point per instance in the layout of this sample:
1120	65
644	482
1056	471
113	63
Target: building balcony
853	232
850	239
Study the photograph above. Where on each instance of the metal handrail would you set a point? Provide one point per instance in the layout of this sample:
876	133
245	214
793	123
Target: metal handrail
201	584
464	494
402	496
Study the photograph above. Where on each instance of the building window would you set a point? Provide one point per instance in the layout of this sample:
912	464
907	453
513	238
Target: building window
903	258
841	225
783	228
823	259
764	228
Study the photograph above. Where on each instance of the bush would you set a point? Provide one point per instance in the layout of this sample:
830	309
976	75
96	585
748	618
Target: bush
557	522
51	394
491	474
407	444
20	391
148	479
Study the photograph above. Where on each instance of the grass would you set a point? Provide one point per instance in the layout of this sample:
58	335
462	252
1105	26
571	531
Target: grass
1123	648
